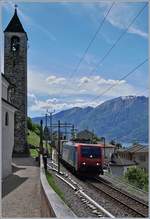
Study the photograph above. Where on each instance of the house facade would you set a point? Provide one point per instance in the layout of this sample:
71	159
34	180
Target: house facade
8	112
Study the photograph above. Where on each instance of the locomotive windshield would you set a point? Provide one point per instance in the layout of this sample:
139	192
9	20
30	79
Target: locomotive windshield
90	152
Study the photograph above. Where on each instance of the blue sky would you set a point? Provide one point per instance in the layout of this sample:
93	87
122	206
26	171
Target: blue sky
58	35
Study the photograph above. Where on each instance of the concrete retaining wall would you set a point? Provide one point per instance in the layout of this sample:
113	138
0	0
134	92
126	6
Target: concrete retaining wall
52	204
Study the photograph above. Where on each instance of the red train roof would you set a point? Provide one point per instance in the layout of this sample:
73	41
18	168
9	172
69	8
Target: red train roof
92	145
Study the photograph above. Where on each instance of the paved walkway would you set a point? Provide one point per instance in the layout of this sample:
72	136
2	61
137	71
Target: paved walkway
21	190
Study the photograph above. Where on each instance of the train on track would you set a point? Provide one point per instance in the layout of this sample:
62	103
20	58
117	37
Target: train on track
84	159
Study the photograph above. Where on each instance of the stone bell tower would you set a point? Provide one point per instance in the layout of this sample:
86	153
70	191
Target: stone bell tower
15	69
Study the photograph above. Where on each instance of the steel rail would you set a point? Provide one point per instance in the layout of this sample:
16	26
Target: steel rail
87	197
117	199
122	192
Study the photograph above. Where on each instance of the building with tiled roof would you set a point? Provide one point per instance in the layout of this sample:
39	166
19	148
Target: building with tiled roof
137	153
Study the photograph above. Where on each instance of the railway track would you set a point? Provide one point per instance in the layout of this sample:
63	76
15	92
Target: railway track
135	207
87	200
126	204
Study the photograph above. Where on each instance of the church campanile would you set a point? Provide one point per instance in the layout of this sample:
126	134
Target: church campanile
15	69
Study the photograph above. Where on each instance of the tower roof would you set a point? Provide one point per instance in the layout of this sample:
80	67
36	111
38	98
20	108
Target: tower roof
15	24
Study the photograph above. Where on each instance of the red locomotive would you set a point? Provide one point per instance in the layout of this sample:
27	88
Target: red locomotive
84	159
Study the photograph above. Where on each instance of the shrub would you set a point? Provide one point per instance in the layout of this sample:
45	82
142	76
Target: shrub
137	177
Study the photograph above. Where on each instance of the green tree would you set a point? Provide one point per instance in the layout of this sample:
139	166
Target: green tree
29	123
33	127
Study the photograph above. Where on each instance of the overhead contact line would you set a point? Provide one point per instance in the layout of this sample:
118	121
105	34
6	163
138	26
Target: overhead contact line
91	41
122	78
118	39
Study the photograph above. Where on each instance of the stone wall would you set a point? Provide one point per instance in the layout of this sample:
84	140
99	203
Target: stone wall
15	69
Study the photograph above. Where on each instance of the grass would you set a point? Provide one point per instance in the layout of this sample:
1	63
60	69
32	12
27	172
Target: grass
52	183
33	139
33	153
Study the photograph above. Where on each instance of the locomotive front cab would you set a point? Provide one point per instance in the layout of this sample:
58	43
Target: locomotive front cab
91	159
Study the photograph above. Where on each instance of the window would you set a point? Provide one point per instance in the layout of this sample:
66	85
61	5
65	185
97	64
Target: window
6	118
90	152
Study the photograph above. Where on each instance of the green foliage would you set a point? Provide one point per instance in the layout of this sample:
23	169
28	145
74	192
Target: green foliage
138	177
29	123
33	153
33	138
33	127
52	183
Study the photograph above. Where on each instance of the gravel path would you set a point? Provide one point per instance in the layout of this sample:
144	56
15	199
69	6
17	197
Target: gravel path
21	190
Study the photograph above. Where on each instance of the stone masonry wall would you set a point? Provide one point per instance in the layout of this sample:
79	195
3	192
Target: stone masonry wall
15	69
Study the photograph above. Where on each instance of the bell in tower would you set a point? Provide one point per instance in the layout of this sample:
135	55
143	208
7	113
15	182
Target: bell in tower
15	69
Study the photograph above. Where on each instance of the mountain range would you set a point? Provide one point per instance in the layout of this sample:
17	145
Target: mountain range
124	118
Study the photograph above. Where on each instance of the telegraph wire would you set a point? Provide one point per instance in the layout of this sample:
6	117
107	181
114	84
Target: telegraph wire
91	41
116	42
122	78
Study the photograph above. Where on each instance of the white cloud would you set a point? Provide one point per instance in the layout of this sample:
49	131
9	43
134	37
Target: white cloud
52	79
120	15
138	31
98	80
40	106
55	85
32	100
81	92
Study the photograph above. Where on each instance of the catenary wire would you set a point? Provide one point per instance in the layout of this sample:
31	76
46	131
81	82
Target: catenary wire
122	78
91	41
116	42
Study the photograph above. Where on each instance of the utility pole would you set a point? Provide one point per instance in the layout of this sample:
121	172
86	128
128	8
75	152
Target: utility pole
41	137
51	127
46	129
66	130
51	130
58	146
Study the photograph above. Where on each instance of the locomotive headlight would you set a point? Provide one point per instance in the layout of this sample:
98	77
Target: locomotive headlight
84	163
97	164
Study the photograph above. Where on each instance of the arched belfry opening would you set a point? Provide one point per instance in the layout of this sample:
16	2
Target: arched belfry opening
15	41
